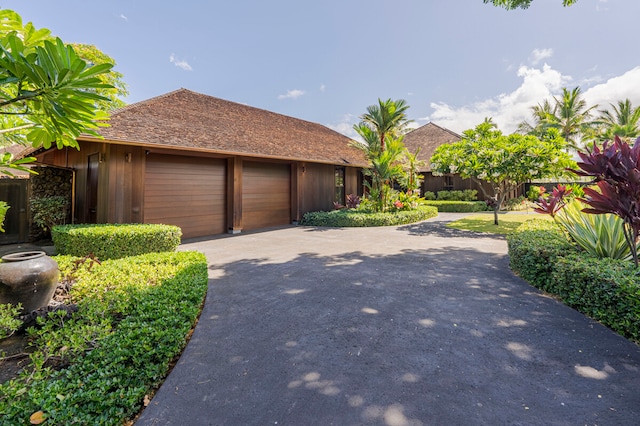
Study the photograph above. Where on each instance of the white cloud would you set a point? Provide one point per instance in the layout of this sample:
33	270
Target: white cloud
123	17
323	87
345	126
539	54
616	89
507	109
291	94
179	63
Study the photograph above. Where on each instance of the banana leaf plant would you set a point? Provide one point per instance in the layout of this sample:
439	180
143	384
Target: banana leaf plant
615	169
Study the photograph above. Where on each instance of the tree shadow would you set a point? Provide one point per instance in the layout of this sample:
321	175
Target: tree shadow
425	336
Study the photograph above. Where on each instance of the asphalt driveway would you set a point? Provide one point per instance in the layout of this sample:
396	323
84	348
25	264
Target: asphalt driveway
410	325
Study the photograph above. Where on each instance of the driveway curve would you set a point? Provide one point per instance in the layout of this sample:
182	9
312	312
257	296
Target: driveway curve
411	325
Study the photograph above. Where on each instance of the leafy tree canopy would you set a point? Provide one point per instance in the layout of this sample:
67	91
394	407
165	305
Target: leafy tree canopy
504	162
48	92
521	4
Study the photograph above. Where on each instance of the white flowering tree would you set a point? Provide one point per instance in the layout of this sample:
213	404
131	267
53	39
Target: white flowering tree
504	162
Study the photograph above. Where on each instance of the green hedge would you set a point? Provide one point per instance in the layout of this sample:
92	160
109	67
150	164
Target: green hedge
355	218
533	249
114	241
607	290
161	300
458	206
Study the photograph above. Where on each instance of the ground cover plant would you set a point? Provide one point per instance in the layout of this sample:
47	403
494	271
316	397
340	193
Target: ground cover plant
458	206
95	364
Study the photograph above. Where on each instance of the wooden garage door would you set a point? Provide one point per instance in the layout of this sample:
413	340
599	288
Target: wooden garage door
266	195
186	191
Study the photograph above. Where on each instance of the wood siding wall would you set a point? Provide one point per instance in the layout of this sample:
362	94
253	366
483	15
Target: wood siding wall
317	187
266	195
188	192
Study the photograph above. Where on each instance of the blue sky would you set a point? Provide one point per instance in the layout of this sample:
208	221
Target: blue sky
455	62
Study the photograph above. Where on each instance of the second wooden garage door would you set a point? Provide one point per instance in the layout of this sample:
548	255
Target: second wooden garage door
186	191
266	195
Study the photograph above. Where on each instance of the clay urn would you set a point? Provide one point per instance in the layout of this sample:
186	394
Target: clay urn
29	278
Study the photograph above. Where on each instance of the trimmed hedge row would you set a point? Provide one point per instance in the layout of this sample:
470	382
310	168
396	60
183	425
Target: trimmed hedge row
114	241
107	385
607	290
458	206
355	218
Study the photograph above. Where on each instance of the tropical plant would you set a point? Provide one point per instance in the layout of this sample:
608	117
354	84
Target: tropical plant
623	121
4	207
600	235
412	178
568	113
48	212
388	118
615	169
553	203
47	91
384	170
505	162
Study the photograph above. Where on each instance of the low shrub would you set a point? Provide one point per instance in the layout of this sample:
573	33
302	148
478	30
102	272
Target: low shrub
458	206
517	203
141	310
48	212
534	248
114	241
457	195
607	290
429	195
358	218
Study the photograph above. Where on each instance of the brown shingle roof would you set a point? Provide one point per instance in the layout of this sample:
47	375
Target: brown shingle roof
189	120
428	138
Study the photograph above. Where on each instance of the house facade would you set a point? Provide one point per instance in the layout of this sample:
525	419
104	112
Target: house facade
207	165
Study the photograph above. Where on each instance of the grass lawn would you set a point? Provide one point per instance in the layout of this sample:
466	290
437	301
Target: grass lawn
483	222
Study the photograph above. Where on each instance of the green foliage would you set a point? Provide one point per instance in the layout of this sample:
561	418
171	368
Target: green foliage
607	290
535	192
135	336
464	195
521	4
534	248
9	321
600	235
458	206
47	92
504	162
361	218
113	241
429	195
517	203
3	213
48	212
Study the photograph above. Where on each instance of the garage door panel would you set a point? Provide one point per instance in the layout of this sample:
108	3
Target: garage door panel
266	195
188	192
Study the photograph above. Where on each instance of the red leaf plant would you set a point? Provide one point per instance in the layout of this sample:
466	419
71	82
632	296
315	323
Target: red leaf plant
553	203
616	171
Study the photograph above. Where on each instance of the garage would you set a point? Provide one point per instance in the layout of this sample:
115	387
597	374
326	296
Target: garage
266	195
188	192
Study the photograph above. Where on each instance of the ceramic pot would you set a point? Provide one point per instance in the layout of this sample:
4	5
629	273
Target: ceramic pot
29	278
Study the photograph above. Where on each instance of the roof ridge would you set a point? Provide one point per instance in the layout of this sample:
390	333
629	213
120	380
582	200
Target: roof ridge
445	129
146	101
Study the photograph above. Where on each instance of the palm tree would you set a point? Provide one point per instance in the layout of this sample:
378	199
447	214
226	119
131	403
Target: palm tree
623	121
543	116
387	118
572	116
567	113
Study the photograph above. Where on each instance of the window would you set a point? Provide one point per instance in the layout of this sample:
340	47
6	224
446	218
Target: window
339	185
